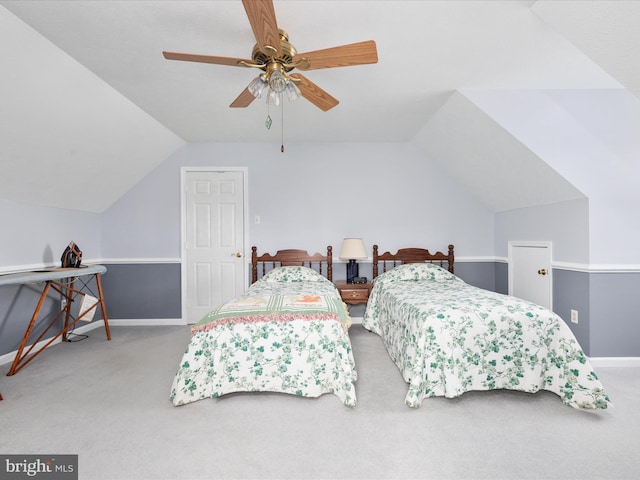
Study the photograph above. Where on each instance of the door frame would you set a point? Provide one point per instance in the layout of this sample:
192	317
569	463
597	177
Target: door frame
183	226
534	244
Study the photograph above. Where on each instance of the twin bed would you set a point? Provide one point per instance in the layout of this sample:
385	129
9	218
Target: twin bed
289	333
448	337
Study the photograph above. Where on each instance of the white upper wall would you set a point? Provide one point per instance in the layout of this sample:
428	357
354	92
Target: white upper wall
564	224
34	237
311	196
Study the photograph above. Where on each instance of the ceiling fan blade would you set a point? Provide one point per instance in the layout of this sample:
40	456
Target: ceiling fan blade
314	93
194	57
243	100
360	53
262	17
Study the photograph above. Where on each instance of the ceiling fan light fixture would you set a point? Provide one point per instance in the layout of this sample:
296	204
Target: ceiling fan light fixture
293	92
273	53
277	82
273	98
257	86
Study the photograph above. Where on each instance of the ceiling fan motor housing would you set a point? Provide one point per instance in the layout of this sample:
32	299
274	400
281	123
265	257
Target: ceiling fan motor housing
288	51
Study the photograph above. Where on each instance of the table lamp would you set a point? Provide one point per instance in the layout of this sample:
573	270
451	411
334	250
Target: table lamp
352	250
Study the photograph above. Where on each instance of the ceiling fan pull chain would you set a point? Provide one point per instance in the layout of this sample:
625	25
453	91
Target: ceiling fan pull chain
282	125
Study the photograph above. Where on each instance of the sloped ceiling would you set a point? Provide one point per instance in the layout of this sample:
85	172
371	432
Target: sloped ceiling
463	147
92	94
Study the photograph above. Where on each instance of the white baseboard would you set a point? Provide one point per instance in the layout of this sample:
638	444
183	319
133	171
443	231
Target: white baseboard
146	322
603	362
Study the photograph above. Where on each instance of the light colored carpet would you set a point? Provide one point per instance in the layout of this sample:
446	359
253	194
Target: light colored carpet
109	403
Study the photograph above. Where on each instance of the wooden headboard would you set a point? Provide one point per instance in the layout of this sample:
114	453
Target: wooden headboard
411	255
291	257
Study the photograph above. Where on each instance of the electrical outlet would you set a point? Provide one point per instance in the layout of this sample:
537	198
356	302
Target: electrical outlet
63	304
256	220
574	316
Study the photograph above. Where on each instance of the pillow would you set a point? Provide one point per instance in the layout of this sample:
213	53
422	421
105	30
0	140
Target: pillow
417	271
293	274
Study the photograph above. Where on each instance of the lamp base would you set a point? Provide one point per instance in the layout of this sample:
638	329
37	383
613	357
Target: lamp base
352	271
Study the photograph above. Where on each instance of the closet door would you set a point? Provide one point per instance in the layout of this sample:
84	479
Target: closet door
214	261
530	274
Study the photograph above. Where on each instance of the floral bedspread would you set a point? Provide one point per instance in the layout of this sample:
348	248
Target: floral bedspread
448	337
288	333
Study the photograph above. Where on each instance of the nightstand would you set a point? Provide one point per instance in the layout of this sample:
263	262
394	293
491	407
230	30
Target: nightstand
353	293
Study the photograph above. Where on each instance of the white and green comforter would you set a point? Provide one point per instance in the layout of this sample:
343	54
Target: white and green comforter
288	333
448	337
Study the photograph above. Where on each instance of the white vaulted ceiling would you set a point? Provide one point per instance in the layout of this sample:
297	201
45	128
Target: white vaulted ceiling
88	91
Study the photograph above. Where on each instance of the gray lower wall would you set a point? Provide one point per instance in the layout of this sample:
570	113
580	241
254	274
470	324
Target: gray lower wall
502	277
615	314
478	274
608	303
143	291
571	292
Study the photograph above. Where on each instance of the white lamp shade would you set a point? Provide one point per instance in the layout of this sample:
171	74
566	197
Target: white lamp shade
353	249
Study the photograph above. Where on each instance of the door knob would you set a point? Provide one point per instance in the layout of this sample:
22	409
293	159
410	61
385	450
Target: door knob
542	271
237	254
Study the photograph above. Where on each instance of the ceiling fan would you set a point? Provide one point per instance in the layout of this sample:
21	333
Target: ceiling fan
276	57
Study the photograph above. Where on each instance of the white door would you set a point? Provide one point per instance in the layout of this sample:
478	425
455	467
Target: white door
213	240
530	272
